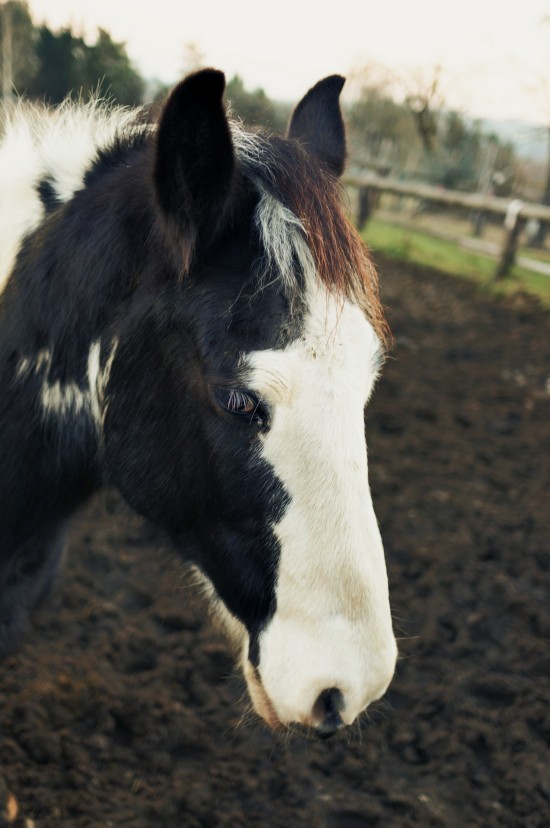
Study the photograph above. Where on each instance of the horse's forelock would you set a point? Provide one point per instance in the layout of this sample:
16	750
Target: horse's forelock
301	217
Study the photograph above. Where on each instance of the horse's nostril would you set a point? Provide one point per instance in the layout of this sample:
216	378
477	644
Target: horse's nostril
328	703
326	710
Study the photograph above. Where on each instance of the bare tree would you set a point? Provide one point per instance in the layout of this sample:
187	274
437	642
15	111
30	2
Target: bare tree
381	134
539	87
424	99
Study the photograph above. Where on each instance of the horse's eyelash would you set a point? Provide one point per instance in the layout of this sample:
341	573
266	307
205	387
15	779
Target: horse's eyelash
237	399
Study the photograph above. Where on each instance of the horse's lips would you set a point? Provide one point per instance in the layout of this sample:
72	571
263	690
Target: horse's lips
261	701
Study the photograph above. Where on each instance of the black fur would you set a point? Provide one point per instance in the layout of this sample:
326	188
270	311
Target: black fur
317	123
195	162
157	258
48	195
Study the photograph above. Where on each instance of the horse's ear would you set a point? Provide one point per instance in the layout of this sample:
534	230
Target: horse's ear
195	161
317	123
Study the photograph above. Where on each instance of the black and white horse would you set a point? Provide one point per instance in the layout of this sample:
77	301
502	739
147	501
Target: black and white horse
187	315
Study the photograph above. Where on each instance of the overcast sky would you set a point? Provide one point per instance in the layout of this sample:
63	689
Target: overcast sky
492	52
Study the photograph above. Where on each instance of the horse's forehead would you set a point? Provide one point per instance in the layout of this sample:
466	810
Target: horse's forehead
243	306
337	350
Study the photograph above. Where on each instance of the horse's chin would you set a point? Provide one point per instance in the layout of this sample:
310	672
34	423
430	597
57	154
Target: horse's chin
239	641
261	701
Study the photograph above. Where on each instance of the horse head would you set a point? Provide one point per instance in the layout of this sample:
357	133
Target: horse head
233	412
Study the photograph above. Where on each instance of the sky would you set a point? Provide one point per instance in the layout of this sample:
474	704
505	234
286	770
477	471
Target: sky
492	53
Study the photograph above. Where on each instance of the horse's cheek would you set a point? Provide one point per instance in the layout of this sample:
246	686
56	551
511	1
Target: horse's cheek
154	446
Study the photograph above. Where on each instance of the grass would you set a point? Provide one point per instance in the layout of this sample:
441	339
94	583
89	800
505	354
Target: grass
535	253
414	246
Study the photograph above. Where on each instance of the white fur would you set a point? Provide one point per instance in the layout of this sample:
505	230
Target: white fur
332	626
56	398
98	379
65	399
94	381
283	236
60	144
26	364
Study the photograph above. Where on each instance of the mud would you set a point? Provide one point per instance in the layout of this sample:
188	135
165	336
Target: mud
122	708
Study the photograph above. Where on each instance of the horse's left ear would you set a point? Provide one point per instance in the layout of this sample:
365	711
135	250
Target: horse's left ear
195	160
317	123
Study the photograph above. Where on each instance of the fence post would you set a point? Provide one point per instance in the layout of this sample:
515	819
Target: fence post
365	205
512	225
478	221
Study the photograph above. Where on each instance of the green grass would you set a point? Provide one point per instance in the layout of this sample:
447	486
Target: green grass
423	249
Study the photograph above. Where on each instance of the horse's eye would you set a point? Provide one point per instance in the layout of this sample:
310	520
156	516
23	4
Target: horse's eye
243	403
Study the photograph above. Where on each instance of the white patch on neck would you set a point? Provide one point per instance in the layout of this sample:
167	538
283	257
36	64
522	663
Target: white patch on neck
67	399
26	365
332	626
63	399
55	397
98	380
94	380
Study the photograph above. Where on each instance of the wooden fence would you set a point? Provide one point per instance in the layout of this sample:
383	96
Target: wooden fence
514	212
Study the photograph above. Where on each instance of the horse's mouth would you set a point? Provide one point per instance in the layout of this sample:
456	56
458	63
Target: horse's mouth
264	708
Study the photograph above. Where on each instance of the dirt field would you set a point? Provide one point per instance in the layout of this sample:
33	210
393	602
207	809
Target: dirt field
122	708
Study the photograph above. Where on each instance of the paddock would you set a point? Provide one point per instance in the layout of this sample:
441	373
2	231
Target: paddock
122	707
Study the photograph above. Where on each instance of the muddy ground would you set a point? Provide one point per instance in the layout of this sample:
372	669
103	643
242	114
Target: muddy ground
122	707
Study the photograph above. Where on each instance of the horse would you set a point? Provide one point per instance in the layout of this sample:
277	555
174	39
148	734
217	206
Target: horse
187	315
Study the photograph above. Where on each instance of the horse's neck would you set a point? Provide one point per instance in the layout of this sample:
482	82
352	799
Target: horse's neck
49	447
69	282
48	450
72	276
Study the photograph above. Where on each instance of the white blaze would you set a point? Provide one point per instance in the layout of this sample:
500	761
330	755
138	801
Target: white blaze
332	626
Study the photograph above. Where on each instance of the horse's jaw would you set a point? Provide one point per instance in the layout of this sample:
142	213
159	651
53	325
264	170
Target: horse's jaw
260	700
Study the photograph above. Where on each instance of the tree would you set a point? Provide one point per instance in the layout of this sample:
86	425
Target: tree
69	66
380	133
538	87
423	101
61	60
51	65
539	238
459	146
22	36
255	108
106	63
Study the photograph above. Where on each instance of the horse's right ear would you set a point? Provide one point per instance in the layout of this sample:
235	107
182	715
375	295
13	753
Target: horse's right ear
195	161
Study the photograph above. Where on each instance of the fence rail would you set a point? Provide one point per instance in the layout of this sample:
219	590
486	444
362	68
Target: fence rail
514	211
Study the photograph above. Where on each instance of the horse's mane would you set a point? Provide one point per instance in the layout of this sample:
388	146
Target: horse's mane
64	141
57	146
300	214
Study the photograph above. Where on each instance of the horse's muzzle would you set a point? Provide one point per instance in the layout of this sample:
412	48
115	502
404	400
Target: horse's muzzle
324	721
